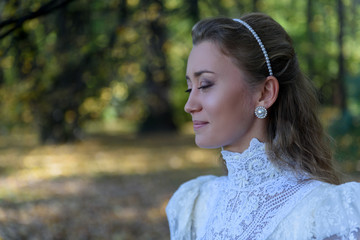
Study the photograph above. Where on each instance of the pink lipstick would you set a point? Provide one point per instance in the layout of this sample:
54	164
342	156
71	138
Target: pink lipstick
199	124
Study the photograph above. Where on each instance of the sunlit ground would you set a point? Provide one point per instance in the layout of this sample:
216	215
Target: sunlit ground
108	186
105	187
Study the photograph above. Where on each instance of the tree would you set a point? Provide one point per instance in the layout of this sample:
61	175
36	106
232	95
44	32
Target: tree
157	84
339	90
64	62
16	22
53	74
310	36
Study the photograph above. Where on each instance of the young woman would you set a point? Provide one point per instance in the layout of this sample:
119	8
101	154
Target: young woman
248	96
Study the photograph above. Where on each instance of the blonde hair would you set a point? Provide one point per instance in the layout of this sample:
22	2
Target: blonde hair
294	131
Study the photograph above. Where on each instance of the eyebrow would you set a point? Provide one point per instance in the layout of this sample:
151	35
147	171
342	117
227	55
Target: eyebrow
198	73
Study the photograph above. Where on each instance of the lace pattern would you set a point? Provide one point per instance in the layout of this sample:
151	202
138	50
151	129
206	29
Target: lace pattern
254	197
258	200
329	212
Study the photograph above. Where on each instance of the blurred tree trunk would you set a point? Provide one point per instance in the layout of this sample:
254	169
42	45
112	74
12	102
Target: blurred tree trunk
122	18
193	12
157	84
1	76
339	86
254	5
57	108
310	35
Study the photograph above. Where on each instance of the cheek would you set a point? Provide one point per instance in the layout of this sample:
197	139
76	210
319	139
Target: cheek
231	106
212	104
234	115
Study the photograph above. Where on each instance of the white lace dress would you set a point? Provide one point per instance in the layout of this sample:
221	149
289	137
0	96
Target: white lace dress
257	200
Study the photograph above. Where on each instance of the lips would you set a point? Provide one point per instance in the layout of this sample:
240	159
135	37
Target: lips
199	124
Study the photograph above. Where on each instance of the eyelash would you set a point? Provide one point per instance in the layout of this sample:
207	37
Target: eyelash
202	87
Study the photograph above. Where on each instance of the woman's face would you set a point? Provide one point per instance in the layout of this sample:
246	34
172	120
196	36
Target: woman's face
220	102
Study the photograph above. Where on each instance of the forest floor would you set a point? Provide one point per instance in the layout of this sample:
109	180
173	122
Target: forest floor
104	187
111	187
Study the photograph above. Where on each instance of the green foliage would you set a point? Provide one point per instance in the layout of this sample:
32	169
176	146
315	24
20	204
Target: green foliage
103	60
346	132
346	127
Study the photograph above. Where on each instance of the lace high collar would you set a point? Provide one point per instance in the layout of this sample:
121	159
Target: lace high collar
247	204
251	167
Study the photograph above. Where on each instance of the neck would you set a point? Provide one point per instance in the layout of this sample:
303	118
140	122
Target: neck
243	145
257	131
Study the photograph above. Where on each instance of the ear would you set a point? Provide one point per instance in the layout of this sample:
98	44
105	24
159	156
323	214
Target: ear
270	91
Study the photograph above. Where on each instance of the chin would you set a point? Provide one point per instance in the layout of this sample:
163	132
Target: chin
202	143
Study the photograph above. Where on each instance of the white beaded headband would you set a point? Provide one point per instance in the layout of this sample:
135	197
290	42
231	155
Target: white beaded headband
260	43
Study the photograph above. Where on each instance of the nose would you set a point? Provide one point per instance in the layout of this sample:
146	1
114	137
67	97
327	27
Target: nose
193	104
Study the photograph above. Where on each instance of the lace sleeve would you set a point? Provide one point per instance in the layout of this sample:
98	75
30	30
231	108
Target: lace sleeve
353	235
328	213
180	208
338	216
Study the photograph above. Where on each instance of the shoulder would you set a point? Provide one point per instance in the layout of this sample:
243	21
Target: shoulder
189	190
187	193
332	196
328	211
180	209
344	198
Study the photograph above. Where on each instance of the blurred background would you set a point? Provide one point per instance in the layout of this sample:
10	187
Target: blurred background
93	136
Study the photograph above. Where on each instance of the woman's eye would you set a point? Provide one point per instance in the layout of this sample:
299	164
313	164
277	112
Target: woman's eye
205	86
